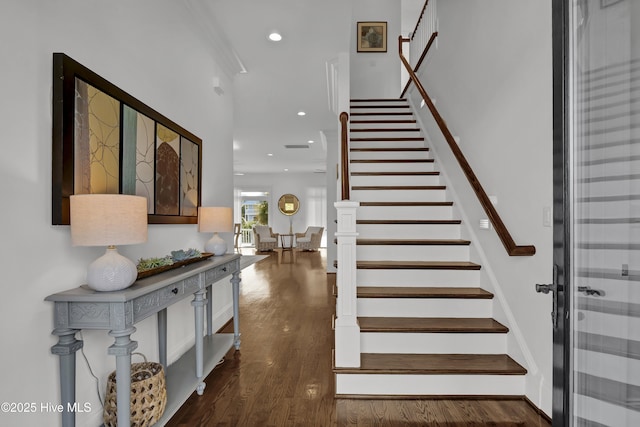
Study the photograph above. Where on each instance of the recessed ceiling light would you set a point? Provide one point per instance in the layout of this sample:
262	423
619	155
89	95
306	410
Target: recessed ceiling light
270	154
311	141
275	37
302	113
286	170
239	174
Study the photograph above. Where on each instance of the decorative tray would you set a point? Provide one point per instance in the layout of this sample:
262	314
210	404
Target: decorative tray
176	264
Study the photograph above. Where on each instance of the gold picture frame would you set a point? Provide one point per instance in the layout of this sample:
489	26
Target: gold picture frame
288	204
372	36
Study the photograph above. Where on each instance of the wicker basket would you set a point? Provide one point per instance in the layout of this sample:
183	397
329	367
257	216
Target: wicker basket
148	395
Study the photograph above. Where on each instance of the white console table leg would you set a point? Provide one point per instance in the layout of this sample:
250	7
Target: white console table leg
122	349
66	350
198	303
162	337
209	310
235	284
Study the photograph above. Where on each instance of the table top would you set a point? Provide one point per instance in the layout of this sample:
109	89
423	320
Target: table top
146	285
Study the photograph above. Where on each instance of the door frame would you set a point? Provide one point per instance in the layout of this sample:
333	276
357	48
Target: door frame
561	399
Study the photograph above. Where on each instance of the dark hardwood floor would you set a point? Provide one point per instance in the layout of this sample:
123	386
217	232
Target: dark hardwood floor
282	374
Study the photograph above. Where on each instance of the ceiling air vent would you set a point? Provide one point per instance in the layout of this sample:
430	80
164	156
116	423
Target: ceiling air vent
296	146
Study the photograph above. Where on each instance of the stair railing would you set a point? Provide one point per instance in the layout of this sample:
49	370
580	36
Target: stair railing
502	231
422	37
344	155
422	34
347	330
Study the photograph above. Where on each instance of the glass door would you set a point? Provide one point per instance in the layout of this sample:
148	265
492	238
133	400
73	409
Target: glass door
597	235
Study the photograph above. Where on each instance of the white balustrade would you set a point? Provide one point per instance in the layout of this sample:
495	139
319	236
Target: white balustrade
427	25
347	330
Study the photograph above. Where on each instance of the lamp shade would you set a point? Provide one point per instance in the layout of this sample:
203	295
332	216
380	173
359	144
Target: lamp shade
215	219
108	219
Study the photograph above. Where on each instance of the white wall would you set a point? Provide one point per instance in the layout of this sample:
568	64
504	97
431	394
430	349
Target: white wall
310	188
376	74
149	49
491	77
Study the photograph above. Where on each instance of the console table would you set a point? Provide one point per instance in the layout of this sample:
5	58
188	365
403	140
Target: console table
118	312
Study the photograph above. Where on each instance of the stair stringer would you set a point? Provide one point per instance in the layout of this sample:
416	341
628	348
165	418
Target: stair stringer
517	346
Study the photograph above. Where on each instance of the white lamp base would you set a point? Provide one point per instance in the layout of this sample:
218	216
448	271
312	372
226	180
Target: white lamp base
216	245
111	272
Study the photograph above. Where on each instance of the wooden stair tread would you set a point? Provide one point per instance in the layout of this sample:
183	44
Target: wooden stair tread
422	292
432	173
378	139
431	325
385	129
399	187
408	121
380	106
386	113
389	149
406	203
392	161
409	221
414	242
417	265
435	364
378	100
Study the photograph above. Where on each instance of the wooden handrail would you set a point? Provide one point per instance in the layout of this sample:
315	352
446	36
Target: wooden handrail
415	30
424	54
490	210
344	144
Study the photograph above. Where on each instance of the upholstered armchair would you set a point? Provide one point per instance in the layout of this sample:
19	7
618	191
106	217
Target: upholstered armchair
310	239
264	238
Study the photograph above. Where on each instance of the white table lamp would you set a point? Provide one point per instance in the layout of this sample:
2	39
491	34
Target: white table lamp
109	220
215	219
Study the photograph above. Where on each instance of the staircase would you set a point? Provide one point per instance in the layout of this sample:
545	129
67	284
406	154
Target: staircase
426	326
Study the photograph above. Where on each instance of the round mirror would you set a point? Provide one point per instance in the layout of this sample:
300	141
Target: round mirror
288	204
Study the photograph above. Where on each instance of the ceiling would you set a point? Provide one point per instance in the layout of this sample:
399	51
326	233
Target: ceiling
281	79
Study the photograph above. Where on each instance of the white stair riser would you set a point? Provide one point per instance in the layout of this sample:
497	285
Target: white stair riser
399	195
393	112
395	180
388	155
424	307
412	252
433	343
417	278
380	123
379	384
387	134
391	167
405	212
408	231
386	143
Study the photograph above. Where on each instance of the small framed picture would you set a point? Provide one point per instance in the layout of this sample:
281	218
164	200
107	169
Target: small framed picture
372	36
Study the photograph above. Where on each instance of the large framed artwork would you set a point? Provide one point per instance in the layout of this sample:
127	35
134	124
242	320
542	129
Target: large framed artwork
372	36
107	141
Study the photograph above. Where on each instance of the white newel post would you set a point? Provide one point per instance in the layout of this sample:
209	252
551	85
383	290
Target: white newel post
347	330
